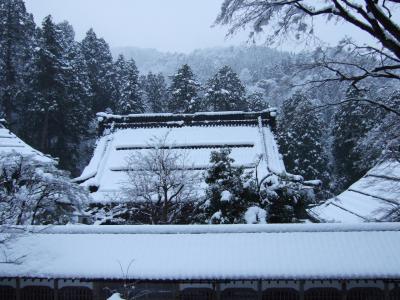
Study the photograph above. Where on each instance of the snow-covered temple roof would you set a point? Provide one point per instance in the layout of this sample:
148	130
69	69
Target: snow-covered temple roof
9	143
206	252
372	198
248	134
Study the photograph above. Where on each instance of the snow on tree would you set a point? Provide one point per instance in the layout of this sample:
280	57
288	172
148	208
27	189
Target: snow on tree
120	74
155	92
36	192
297	19
115	296
225	92
383	140
351	122
160	189
255	215
184	91
230	191
17	33
48	79
75	112
256	102
100	70
286	197
129	97
57	114
301	136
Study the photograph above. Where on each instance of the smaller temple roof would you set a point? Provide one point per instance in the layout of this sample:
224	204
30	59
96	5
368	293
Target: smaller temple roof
194	136
205	252
9	143
372	198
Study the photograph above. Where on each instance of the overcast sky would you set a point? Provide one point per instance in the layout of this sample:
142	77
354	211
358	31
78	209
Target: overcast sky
167	25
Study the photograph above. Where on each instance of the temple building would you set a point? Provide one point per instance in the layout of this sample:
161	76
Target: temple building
248	134
193	262
10	143
373	198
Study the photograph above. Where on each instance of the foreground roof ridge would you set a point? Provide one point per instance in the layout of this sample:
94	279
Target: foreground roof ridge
207	229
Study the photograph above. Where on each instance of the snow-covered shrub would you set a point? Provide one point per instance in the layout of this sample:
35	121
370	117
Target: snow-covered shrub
115	296
36	192
255	215
230	190
287	196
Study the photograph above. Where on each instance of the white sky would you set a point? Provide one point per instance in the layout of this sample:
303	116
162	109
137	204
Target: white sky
166	25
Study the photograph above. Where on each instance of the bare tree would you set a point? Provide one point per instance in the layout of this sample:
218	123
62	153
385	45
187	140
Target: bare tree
284	18
162	186
35	192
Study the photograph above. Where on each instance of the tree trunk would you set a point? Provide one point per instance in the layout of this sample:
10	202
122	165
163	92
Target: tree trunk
45	132
165	207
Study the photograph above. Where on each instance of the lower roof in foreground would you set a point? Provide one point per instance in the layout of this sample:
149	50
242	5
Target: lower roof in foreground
206	252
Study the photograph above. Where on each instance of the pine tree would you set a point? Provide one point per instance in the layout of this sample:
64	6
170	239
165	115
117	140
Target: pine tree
17	32
100	70
129	94
184	92
351	122
48	87
155	92
256	102
282	208
58	113
75	112
119	75
300	136
227	195
225	92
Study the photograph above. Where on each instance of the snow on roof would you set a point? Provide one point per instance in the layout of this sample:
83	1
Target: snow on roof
9	143
249	135
208	252
369	199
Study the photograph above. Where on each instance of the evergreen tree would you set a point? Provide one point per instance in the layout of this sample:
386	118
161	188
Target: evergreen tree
225	92
119	75
17	32
129	94
281	209
256	102
100	70
383	140
75	114
155	92
48	87
300	136
351	122
227	194
184	92
58	113
286	198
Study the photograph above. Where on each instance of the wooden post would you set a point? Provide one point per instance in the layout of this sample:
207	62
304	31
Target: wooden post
18	289
55	289
301	289
259	290
344	290
217	291
386	290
